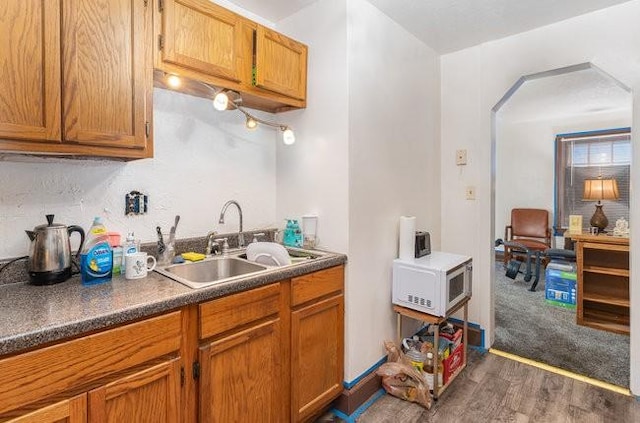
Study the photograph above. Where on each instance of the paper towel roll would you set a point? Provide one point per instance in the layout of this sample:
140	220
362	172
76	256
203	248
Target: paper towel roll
407	242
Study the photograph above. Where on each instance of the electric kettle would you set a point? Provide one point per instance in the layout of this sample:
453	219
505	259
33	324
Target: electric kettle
50	252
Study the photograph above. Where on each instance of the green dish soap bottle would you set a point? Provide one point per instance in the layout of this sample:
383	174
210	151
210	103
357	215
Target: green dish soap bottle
96	259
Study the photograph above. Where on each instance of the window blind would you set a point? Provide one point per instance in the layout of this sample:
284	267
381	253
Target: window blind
603	153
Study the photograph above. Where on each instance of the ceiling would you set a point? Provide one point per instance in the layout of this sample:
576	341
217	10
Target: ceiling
450	25
577	93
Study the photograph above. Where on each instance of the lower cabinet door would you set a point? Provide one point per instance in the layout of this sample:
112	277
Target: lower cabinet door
317	356
151	395
73	410
241	377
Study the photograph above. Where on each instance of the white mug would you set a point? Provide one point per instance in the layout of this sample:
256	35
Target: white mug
136	265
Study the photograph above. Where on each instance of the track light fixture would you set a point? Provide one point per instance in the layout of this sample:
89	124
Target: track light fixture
251	123
224	99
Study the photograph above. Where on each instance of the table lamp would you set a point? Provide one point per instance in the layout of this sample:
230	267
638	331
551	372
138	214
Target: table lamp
597	190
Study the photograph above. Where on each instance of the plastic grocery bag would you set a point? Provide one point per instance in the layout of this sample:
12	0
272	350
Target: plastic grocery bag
401	379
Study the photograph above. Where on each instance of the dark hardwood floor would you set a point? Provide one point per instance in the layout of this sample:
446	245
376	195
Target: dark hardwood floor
497	389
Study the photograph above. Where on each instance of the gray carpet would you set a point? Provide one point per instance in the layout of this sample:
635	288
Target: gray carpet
529	327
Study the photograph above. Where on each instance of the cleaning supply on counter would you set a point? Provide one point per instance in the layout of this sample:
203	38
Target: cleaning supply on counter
191	256
96	260
292	234
118	258
114	242
131	245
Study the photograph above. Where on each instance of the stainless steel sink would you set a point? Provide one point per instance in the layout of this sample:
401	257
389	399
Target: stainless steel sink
219	269
210	271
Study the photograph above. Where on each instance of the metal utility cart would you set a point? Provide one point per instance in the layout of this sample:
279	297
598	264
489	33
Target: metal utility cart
437	320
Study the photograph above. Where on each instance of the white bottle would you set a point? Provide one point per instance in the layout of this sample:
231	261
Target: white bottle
131	246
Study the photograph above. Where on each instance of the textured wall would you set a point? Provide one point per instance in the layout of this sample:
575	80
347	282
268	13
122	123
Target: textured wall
202	159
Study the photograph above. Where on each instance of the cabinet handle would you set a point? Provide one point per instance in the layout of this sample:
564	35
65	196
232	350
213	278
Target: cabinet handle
147	128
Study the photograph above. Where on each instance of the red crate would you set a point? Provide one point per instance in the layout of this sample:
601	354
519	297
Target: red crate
452	363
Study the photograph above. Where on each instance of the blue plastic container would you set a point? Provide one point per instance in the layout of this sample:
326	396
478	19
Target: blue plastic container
560	288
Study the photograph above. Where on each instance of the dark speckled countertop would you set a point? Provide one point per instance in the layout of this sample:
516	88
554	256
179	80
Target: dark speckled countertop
36	315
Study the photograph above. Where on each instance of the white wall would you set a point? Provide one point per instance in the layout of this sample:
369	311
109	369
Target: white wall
474	80
202	159
312	174
363	166
525	159
394	166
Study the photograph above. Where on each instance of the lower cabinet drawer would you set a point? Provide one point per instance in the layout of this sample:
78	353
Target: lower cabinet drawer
223	314
316	285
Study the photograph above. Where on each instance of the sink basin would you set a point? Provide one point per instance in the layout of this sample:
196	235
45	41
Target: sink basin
210	271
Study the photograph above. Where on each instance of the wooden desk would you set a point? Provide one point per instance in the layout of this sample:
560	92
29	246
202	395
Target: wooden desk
436	320
603	282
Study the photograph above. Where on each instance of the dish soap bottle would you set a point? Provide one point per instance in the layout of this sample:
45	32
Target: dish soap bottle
292	234
96	260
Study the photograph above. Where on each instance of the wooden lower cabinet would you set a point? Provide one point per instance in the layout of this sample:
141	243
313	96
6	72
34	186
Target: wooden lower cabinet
241	376
317	341
73	410
269	354
316	356
151	395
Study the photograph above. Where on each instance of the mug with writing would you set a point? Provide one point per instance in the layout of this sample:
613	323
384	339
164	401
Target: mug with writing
137	265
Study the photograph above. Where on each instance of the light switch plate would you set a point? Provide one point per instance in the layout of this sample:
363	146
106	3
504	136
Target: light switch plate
461	157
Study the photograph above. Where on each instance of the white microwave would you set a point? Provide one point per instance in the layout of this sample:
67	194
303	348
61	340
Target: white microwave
432	284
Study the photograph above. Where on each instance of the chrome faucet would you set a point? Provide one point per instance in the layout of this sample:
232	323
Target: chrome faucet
221	221
210	243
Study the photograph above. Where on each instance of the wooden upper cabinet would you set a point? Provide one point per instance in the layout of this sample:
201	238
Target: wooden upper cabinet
206	43
280	64
201	36
30	70
107	72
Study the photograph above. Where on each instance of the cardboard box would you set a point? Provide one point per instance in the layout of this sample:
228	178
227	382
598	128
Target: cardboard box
560	288
452	363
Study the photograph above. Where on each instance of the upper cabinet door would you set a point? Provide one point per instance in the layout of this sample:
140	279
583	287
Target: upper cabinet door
107	73
30	70
281	64
203	37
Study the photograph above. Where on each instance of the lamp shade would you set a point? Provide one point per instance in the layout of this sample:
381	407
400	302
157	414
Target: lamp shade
600	189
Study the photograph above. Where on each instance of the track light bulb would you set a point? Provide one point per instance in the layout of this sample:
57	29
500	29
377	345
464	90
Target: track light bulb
251	123
221	101
174	81
288	137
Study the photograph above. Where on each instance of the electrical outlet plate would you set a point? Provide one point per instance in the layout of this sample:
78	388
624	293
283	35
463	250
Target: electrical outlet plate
470	193
461	157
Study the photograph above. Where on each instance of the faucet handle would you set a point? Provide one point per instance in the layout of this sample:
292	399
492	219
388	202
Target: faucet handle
225	244
255	236
210	242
